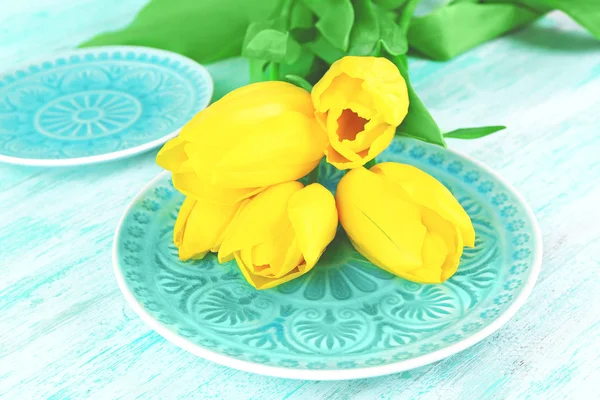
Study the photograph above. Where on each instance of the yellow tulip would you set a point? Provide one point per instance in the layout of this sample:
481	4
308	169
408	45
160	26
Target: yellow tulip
200	226
280	234
360	101
173	158
255	136
404	221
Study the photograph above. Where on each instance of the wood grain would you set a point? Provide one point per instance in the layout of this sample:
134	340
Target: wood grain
67	332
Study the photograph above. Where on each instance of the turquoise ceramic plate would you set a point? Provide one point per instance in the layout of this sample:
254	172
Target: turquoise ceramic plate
97	104
345	319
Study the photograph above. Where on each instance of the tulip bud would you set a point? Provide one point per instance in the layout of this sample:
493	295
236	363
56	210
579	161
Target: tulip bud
255	136
280	234
360	101
404	221
200	226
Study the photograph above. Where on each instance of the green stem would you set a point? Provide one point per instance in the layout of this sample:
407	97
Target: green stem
286	11
369	164
274	71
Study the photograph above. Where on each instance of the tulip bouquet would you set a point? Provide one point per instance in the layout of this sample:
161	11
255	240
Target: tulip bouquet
238	163
298	40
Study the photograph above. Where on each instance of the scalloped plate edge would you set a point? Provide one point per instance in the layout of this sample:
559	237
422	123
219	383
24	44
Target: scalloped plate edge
339	374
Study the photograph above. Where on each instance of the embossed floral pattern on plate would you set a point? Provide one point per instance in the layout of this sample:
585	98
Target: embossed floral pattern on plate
346	314
99	102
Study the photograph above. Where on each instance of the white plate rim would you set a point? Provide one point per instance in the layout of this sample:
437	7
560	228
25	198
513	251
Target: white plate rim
66	162
338	374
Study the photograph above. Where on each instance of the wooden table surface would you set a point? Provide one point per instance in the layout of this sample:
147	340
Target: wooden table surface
67	332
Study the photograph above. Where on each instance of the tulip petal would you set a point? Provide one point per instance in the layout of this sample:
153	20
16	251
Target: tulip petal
428	191
313	216
194	186
256	221
201	158
172	155
434	250
274	258
434	255
261	282
287	254
339	161
348	66
380	142
448	243
277	255
424	275
452	262
245	256
341	89
355	140
262	254
382	225
184	212
390	98
364	139
321	120
339	141
347	92
199	227
286	148
350	125
380	80
294	258
227	120
233	226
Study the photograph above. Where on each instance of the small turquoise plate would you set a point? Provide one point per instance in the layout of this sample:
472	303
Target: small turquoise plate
345	319
97	104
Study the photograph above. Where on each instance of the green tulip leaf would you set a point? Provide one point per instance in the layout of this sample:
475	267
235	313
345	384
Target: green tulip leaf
473	133
269	40
317	70
407	14
294	51
463	1
267	44
420	137
325	50
302	66
255	28
318	7
307	65
301	17
389	4
393	39
299	81
336	23
365	32
302	22
418	123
